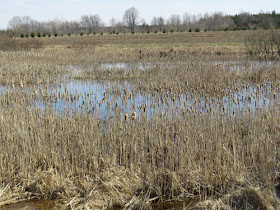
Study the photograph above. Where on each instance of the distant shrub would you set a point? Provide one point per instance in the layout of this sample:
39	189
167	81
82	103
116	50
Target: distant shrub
22	35
94	33
117	32
172	30
26	35
190	30
164	31
69	34
39	35
245	29
87	34
155	31
49	35
197	30
237	28
255	28
148	32
101	33
114	31
81	34
44	34
205	30
32	34
62	34
55	34
226	29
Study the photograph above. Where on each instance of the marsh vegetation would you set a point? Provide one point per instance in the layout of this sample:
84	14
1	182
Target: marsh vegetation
132	122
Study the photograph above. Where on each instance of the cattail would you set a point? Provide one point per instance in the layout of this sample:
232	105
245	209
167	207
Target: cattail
134	116
21	84
126	117
250	99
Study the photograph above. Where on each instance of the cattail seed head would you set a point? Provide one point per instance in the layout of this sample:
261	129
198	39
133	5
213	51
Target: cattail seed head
21	84
134	116
250	99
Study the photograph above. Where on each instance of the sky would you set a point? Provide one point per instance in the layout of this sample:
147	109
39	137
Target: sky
44	10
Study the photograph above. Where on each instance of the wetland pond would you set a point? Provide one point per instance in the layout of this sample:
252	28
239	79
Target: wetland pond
102	99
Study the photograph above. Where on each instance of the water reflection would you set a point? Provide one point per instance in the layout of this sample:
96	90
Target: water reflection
105	98
108	98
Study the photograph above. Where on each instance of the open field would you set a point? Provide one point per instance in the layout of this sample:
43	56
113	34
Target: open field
183	120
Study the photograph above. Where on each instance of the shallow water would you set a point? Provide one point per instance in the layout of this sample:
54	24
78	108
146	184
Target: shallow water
105	98
239	66
33	205
236	66
124	66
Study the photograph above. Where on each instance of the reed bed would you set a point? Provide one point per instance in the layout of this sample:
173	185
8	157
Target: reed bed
169	130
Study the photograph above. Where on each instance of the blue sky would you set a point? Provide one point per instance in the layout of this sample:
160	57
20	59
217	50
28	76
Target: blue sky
74	9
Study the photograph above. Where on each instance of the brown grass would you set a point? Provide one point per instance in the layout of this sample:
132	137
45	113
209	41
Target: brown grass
184	152
16	44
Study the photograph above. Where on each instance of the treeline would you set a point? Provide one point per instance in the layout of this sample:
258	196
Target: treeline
261	20
93	24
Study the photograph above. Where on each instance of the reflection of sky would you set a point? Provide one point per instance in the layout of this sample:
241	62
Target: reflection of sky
153	104
82	96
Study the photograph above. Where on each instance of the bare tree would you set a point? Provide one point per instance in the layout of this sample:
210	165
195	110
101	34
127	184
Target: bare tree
130	18
158	22
15	25
186	21
161	22
175	22
143	21
91	23
54	26
154	21
85	22
119	26
25	24
96	22
113	22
